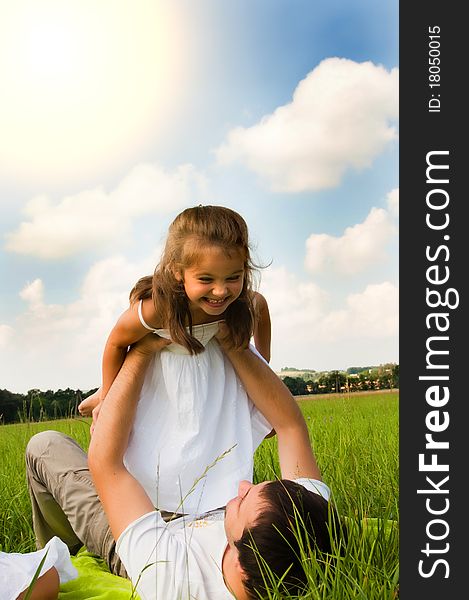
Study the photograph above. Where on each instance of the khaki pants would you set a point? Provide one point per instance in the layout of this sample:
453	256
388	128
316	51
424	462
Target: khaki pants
64	499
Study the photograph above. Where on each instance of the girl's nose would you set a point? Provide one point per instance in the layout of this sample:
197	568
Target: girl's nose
219	290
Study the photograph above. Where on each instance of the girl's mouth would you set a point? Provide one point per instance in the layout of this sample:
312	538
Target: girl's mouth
215	303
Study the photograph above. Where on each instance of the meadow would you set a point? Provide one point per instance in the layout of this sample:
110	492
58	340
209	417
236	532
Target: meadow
355	439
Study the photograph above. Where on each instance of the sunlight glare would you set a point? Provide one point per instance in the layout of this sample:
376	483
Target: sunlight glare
51	52
84	84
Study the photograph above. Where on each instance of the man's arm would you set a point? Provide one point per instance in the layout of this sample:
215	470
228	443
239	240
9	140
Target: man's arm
262	328
122	496
272	397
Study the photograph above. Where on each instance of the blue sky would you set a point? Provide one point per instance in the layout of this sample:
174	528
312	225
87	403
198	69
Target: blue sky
119	115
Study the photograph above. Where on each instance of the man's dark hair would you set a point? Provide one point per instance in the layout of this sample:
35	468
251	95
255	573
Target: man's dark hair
293	521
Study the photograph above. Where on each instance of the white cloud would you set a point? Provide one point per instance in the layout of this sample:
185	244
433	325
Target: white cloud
370	314
6	335
341	116
94	219
60	345
359	247
293	305
393	202
33	293
307	332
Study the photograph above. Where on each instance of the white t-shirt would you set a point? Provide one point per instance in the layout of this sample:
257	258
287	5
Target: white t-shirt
17	570
185	555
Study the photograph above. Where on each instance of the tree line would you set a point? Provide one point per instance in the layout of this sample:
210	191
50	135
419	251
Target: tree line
37	405
381	378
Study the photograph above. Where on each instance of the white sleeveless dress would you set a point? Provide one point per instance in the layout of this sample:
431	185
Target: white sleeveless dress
195	430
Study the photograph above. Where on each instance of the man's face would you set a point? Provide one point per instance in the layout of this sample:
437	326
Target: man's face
241	512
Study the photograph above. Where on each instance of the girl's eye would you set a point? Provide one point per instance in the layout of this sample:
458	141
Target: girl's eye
205	279
234	278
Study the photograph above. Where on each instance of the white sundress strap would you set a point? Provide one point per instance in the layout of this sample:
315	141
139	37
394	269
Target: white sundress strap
142	320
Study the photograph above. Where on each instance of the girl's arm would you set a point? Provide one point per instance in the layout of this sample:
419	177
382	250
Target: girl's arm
262	331
125	332
262	328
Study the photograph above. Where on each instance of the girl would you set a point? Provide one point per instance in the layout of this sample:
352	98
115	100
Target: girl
195	431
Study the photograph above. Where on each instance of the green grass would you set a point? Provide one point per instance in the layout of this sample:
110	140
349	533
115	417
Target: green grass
16	533
356	444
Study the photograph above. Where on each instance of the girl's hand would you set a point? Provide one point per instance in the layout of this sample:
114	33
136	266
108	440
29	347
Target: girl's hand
86	406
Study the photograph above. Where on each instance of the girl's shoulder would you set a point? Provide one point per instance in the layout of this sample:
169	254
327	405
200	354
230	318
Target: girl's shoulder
147	313
258	300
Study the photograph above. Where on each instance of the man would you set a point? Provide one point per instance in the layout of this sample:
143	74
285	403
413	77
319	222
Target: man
214	556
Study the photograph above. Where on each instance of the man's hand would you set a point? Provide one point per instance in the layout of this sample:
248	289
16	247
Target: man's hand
223	337
95	414
150	344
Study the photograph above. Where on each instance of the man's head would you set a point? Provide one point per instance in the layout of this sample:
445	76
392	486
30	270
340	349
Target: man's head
275	524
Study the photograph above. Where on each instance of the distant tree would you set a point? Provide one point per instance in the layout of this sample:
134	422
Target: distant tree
56	409
356	370
312	386
364	381
296	385
10	405
34	405
332	382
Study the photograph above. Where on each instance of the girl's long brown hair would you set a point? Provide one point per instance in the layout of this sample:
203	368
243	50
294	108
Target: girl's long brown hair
191	231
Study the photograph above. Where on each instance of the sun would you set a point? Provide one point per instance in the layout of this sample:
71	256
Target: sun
84	83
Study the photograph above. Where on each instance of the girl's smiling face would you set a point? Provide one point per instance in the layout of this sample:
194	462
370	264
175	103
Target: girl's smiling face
215	281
